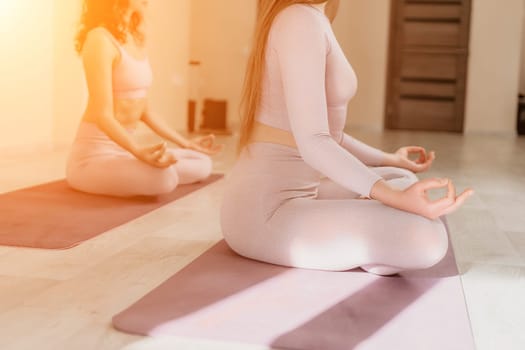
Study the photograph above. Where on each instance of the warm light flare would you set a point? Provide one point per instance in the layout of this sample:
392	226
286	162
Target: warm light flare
8	14
7	4
7	7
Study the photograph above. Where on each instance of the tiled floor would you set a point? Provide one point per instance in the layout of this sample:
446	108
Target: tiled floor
65	299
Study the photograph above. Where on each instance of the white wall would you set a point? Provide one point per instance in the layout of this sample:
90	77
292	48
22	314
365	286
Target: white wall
494	66
362	28
169	50
221	33
26	75
69	87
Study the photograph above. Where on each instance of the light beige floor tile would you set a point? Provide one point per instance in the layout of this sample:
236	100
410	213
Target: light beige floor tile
477	238
14	291
518	241
496	306
116	282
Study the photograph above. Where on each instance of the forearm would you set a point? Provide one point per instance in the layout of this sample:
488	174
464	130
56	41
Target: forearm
365	153
390	159
322	153
161	128
369	155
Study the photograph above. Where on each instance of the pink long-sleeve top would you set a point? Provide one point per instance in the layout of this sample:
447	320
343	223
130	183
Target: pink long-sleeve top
306	87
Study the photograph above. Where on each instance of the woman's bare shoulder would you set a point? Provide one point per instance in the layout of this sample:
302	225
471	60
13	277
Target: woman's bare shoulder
99	39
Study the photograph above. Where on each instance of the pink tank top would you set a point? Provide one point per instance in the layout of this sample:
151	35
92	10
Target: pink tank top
132	77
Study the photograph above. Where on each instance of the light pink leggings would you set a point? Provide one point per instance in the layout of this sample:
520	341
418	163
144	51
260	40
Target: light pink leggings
98	165
276	209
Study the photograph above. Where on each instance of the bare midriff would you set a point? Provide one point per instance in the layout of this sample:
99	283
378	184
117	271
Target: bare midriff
265	133
127	111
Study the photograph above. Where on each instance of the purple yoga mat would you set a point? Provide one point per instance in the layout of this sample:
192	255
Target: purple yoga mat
222	296
53	216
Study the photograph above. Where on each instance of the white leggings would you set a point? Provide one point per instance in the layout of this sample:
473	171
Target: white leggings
98	165
276	209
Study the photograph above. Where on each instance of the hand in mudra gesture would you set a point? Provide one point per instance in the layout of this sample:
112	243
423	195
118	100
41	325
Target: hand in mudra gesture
205	144
156	155
402	158
417	201
414	199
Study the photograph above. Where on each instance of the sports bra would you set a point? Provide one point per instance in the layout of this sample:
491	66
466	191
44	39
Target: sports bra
131	76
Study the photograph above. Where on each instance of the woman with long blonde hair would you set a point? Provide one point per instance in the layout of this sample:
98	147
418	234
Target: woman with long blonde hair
305	194
105	158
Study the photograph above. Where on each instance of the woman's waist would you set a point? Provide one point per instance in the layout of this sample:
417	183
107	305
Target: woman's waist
130	107
273	163
131	94
90	129
128	112
269	134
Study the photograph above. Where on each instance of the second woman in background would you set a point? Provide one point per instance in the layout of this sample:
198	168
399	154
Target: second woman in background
105	158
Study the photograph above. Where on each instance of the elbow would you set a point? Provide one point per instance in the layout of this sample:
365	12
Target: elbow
145	118
104	121
313	147
340	138
100	113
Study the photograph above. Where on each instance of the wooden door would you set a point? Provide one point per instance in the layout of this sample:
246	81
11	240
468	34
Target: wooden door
428	65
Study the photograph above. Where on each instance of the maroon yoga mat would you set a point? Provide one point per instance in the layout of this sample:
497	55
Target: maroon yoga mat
53	216
222	296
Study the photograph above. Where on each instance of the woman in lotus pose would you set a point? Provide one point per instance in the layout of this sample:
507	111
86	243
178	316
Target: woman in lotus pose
305	194
105	159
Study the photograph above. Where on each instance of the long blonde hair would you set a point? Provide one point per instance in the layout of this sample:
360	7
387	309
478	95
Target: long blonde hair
251	94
